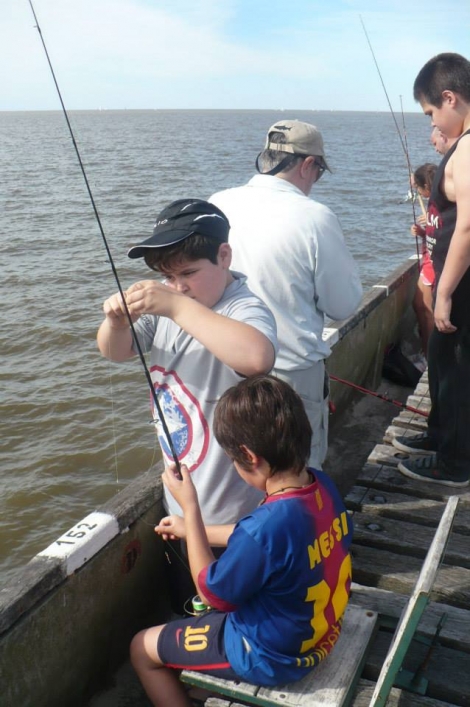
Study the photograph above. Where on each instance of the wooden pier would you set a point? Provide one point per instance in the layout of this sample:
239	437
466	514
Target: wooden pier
394	521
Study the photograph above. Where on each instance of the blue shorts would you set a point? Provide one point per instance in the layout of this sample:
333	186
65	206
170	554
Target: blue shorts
196	643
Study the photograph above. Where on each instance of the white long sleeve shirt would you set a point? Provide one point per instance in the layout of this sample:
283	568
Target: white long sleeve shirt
293	252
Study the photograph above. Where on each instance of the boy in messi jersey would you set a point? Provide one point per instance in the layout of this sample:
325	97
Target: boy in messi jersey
280	589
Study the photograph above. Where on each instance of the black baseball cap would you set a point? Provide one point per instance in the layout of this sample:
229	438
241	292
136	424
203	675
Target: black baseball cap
181	219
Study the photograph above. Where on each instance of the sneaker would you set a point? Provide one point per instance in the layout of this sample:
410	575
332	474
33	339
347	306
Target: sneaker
419	443
426	469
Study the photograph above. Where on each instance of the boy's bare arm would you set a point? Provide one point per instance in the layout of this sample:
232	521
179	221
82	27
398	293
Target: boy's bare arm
458	256
237	344
199	553
218	535
114	335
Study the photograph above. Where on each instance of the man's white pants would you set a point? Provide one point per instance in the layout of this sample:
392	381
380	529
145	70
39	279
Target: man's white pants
309	383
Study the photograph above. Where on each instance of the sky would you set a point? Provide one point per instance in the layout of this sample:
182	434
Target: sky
252	54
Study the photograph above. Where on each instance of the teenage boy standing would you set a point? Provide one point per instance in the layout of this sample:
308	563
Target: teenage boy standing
442	87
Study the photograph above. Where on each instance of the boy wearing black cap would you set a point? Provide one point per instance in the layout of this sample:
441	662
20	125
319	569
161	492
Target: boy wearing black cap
205	331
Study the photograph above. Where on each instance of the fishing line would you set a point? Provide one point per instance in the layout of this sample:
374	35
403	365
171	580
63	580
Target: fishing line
116	468
113	267
383	86
410	175
404	146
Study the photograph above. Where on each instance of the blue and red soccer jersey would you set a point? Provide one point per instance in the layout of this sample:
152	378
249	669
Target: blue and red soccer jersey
284	579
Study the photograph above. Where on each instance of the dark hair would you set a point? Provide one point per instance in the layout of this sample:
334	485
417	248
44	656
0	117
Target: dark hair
424	175
266	415
444	72
268	160
194	247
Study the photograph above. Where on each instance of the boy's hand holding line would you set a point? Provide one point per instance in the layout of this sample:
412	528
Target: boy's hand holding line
199	552
115	312
152	297
143	297
171	528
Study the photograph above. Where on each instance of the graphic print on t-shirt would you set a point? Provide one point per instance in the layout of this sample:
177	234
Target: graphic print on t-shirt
433	224
186	423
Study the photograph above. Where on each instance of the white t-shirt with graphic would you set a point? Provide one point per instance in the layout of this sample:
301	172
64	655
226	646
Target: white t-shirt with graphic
189	380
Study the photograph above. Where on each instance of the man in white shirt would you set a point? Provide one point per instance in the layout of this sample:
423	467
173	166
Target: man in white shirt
293	252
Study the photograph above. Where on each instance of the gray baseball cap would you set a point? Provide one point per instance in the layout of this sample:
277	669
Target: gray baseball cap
300	139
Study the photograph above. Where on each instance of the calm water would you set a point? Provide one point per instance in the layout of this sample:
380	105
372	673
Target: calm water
74	427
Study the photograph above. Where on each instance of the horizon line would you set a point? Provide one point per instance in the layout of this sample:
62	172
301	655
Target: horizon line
279	110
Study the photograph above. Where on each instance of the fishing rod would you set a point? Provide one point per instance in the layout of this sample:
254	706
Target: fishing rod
380	396
410	177
403	142
420	198
385	90
108	251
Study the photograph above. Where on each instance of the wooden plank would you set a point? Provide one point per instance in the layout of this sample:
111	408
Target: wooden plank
447	670
422	389
406	538
420	402
397	697
365	688
388	478
398	573
410	420
455	632
386	454
401	506
424	378
230	688
394	431
415	607
330	684
437	549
